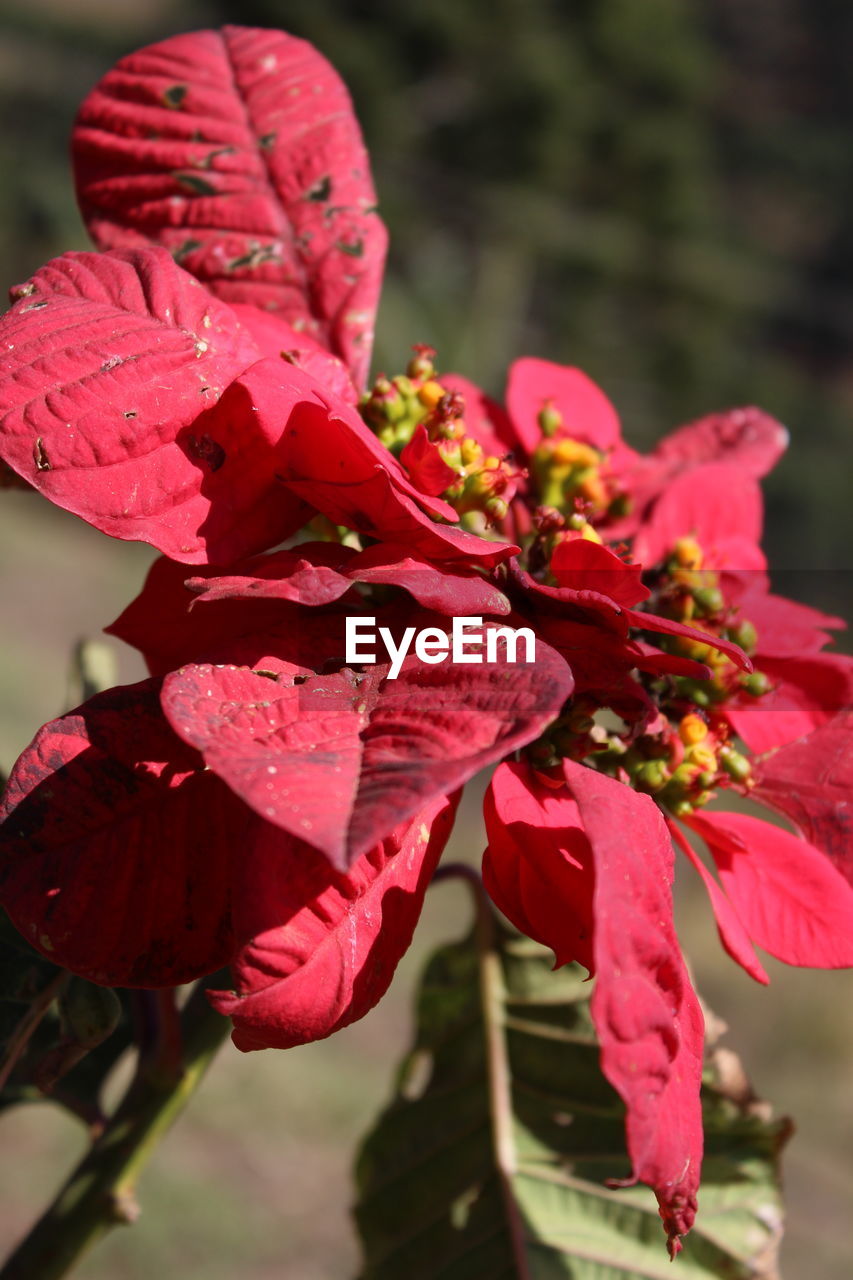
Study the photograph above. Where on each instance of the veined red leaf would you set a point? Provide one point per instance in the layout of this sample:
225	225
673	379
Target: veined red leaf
340	760
111	361
118	846
324	945
238	151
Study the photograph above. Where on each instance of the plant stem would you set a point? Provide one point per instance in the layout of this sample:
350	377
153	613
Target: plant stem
99	1194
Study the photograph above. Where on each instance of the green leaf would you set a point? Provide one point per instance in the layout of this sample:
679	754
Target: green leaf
492	1157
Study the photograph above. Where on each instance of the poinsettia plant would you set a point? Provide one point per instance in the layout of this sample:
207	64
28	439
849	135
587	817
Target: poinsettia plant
264	814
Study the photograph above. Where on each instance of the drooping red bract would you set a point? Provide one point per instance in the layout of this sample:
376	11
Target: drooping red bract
238	151
591	894
323	945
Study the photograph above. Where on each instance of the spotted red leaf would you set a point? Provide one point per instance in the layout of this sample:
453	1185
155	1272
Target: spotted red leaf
340	760
111	361
239	152
119	847
324	945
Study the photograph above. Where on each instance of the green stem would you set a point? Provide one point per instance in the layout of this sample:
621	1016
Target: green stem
99	1194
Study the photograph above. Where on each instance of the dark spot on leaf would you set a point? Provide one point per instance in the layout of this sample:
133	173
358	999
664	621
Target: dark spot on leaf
299	679
34	306
292	357
321	190
188	247
192	182
207	450
129	413
206	162
41	459
268	675
174	95
355	249
267	140
21	291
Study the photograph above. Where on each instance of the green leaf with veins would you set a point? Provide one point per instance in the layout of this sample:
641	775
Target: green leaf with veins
492	1157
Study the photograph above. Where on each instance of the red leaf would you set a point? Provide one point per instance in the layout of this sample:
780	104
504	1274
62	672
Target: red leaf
587	413
646	1013
318	573
718	505
239	152
340	760
112	361
811	782
538	867
581	565
733	935
748	439
790	898
424	464
324	946
807	692
118	846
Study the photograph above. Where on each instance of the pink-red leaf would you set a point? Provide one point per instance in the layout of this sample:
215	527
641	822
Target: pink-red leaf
790	898
586	412
538	866
118	846
340	760
238	151
318	573
748	439
323	945
718	505
111	361
733	935
646	1013
811	782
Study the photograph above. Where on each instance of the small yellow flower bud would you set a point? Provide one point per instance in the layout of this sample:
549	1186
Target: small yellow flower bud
430	393
692	729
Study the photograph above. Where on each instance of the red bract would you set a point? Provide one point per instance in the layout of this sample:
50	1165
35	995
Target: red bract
340	759
810	781
559	865
111	362
238	151
120	850
790	898
177	618
154	418
322	945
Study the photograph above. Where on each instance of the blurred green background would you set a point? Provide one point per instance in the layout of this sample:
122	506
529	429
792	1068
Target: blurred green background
658	191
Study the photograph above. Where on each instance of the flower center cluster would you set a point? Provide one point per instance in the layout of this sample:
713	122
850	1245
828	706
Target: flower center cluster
678	746
572	477
471	480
